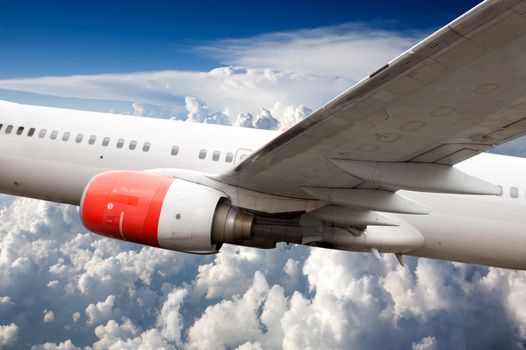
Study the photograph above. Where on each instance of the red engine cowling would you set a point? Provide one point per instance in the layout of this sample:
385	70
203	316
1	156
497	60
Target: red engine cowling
161	211
125	205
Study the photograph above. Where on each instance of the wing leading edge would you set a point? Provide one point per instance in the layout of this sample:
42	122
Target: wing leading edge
457	93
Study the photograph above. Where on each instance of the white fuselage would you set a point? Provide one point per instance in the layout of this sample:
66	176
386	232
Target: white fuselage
58	170
487	230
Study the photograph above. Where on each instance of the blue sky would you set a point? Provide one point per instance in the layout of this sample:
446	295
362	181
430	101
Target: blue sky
68	37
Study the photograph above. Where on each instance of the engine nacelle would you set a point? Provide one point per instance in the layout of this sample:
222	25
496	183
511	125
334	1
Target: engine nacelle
161	211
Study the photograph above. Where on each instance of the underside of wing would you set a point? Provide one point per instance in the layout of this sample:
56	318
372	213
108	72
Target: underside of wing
457	93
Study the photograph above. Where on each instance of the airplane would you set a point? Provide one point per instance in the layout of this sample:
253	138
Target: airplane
396	164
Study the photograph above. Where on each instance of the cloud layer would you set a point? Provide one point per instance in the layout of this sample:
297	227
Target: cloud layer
63	288
347	51
273	71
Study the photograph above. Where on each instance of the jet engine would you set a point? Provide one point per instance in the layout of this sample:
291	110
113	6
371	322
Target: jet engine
162	211
171	213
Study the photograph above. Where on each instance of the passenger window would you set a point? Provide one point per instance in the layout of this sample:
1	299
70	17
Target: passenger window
514	192
65	137
105	141
229	157
175	150
92	139
8	129
79	138
54	134
120	143
133	145
42	133
31	132
216	155
202	154
20	130
146	147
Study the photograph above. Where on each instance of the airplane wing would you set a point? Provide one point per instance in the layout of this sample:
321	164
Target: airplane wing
457	93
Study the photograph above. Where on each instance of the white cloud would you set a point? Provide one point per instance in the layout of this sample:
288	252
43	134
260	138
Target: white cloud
67	345
288	70
199	112
148	340
227	274
49	316
291	268
8	334
211	331
418	292
101	311
40	242
250	346
511	288
290	115
149	110
427	343
76	316
137	297
245	120
111	332
265	120
238	89
169	319
53	283
349	51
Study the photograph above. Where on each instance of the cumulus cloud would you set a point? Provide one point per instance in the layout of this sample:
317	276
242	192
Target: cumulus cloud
196	111
112	332
211	331
265	120
103	310
199	112
76	316
245	120
150	110
123	296
427	343
240	90
42	242
49	316
170	320
8	334
67	345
